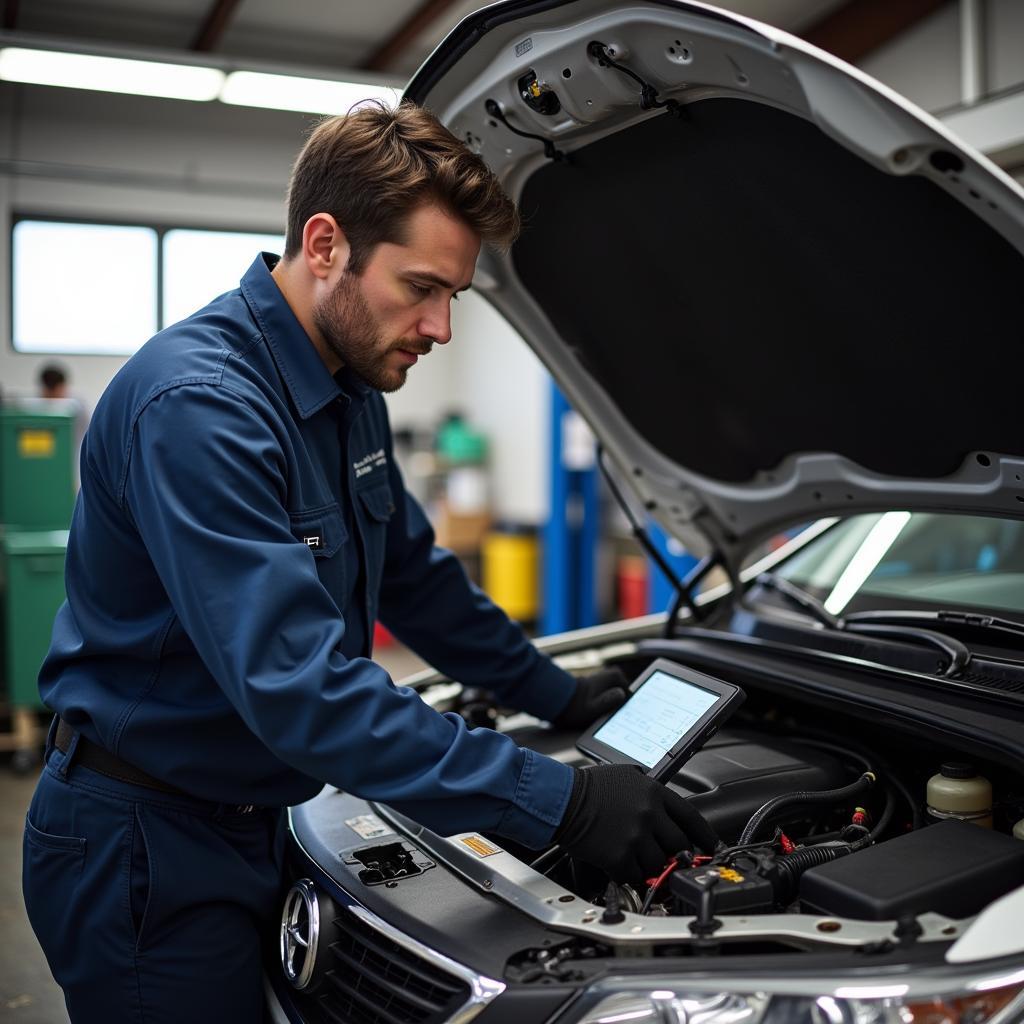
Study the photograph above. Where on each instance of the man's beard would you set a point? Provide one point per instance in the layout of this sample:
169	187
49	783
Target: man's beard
348	327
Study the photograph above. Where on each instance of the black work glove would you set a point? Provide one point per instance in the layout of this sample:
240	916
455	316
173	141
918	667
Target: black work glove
597	694
625	823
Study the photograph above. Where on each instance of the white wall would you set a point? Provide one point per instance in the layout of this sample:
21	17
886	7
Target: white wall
924	63
504	389
1005	43
70	153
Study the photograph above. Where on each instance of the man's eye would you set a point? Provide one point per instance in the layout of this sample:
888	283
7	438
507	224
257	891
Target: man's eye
419	289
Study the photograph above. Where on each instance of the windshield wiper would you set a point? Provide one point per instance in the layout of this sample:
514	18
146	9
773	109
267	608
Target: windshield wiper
1002	629
809	603
877	623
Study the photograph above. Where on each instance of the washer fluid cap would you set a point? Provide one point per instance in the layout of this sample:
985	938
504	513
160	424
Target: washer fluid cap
958	770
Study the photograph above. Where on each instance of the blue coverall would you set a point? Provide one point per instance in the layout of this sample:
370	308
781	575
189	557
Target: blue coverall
241	525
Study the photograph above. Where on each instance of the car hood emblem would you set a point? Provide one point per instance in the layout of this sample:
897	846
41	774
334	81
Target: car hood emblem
300	933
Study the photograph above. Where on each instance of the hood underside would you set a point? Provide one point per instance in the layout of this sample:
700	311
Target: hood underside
786	293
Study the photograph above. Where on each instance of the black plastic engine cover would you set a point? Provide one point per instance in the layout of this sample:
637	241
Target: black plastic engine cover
951	867
738	771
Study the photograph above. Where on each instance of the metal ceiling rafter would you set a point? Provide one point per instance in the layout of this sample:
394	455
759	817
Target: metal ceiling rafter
422	18
860	26
214	25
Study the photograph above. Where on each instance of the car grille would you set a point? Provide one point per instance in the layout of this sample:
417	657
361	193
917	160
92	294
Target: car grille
372	980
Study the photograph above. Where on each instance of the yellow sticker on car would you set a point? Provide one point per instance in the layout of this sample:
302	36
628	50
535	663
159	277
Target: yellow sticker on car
480	846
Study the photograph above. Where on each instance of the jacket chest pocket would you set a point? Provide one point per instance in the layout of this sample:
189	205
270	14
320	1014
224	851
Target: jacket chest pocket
323	532
377	508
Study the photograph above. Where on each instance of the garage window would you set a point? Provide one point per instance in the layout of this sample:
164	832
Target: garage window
81	288
199	265
104	289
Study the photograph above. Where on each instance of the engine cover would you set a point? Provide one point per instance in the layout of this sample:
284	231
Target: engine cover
738	771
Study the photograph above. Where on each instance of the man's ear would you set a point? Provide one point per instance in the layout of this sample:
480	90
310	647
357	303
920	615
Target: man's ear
325	248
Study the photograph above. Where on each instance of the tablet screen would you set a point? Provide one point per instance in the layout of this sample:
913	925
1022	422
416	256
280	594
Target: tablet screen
655	717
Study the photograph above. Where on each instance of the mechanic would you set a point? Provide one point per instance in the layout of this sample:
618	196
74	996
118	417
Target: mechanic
241	525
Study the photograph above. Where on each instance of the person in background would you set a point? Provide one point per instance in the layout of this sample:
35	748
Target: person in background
53	382
53	385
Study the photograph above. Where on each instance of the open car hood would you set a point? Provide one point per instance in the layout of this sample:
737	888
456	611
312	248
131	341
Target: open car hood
787	293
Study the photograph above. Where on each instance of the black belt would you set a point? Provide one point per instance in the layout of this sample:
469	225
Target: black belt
91	755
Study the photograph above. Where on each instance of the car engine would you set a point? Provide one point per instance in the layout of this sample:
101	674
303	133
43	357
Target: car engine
823	816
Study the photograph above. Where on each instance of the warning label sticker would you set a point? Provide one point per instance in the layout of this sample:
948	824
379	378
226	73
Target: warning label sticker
369	826
480	846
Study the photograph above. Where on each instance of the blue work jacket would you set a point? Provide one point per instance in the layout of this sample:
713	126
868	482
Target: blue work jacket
241	524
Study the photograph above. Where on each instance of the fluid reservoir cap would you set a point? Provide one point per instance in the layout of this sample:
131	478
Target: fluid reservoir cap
958	770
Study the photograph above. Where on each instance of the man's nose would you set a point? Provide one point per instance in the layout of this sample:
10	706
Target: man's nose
437	325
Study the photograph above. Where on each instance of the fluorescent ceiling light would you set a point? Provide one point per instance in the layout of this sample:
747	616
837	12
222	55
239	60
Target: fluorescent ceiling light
871	551
306	95
110	74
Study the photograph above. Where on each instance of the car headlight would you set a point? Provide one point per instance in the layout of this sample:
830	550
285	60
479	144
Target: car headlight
990	1000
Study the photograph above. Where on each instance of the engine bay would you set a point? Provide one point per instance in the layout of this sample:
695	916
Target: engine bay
811	827
837	827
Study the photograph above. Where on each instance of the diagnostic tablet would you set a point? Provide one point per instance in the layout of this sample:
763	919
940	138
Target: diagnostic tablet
671	712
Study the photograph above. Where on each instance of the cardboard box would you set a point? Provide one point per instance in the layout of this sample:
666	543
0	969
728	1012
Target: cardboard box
462	533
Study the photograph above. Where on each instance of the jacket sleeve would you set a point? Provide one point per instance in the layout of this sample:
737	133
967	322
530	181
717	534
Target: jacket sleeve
429	603
205	487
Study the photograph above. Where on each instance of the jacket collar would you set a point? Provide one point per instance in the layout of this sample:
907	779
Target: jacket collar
309	382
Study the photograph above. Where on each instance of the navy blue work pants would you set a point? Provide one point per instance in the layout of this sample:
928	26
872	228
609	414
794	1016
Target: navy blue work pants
149	907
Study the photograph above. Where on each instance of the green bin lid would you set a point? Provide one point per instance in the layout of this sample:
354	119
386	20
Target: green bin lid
35	542
52	410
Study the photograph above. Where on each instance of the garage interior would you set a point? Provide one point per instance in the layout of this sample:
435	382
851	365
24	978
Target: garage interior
485	441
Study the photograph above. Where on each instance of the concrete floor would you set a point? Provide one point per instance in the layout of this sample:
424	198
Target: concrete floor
28	993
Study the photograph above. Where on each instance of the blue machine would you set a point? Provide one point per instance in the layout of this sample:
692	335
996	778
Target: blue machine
573	527
573	530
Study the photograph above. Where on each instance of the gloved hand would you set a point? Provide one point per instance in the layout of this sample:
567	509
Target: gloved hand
625	823
597	694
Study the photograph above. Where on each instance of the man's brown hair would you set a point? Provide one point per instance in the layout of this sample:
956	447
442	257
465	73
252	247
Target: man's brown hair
371	168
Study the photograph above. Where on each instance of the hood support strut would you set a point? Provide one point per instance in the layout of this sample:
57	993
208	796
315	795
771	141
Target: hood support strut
684	587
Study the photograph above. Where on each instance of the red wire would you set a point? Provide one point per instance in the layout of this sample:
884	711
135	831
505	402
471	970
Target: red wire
655	883
788	846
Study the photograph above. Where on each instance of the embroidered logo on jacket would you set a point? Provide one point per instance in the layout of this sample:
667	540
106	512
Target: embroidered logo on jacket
368	463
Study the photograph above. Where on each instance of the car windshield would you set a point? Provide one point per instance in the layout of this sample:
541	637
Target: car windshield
919	559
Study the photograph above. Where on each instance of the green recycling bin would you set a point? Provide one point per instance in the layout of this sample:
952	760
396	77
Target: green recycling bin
37	482
33	564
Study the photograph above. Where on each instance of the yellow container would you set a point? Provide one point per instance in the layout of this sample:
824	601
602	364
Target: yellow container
510	572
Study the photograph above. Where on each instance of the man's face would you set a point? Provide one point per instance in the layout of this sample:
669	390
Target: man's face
380	322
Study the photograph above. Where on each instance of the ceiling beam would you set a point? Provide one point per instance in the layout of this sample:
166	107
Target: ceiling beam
860	26
395	45
10	15
214	25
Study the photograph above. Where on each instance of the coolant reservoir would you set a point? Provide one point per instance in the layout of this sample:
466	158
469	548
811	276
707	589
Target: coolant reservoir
958	791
